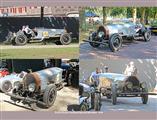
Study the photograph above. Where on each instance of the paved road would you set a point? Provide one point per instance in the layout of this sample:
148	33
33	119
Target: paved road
67	99
130	104
37	46
135	50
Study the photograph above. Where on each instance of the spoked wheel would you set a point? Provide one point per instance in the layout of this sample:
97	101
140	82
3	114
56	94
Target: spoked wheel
114	94
115	42
147	35
50	95
21	39
65	39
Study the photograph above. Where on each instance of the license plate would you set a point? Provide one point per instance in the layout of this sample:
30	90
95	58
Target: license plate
45	34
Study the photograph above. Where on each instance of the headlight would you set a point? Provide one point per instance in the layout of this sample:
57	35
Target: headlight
31	87
143	85
16	84
6	86
129	85
100	34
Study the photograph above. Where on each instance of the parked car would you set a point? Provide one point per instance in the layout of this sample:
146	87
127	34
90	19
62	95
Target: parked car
114	33
58	36
153	27
38	88
90	97
8	82
113	85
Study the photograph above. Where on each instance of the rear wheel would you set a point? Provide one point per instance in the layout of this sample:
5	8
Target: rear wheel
65	39
50	95
21	39
114	94
115	42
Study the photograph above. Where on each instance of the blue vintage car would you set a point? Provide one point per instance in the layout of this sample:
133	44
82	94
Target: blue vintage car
114	33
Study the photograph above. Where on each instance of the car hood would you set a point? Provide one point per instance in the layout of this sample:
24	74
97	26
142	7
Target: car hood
11	77
113	76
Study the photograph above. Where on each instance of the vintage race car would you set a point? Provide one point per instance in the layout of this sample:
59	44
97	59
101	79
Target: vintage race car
7	83
113	85
58	36
38	88
115	32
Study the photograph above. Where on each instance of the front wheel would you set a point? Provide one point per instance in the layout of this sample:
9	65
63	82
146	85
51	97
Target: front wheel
147	35
115	42
50	95
65	39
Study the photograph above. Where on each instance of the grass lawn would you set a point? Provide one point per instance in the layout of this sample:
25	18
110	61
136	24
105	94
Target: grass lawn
31	53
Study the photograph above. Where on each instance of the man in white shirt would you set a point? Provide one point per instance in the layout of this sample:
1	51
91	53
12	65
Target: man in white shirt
131	69
95	76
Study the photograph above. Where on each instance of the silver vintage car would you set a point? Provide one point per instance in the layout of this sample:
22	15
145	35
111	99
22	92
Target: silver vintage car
113	85
38	88
58	36
114	33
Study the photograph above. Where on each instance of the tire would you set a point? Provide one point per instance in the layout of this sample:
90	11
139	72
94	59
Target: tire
50	95
147	35
21	39
97	102
6	86
84	107
65	39
115	42
144	97
114	94
93	38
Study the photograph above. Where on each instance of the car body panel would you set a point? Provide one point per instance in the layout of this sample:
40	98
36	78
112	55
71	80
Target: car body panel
48	33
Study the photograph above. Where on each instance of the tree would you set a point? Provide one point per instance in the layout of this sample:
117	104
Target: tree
143	11
104	15
82	19
134	14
